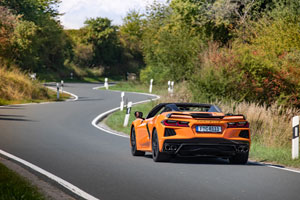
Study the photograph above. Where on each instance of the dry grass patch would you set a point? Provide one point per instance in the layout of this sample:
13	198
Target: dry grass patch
16	85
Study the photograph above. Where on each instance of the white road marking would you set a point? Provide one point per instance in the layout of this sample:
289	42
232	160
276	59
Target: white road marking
103	115
286	169
60	181
98	87
73	95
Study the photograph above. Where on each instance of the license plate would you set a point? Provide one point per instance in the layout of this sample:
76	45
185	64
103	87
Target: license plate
209	129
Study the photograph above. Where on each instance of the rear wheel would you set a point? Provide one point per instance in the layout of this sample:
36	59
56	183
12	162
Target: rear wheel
239	158
156	154
134	151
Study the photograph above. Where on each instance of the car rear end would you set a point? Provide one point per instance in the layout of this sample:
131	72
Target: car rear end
205	134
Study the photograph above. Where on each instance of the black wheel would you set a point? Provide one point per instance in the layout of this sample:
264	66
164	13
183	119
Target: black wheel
134	151
239	158
156	154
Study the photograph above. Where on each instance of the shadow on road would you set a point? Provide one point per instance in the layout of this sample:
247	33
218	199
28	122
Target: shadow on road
14	118
11	107
201	161
88	99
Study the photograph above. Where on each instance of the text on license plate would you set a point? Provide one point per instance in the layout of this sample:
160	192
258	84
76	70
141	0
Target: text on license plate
209	129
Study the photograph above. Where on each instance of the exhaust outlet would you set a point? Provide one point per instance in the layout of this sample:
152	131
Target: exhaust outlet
174	148
168	148
246	149
243	149
240	149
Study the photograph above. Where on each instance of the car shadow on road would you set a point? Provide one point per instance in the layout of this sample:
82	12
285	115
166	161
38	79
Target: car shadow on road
201	161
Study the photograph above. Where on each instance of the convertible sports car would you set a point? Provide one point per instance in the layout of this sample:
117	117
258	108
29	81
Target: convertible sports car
190	129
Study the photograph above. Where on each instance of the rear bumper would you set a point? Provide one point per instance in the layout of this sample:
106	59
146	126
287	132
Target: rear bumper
210	147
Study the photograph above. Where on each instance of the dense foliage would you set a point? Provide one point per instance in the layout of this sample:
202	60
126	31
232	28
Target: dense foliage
33	37
246	50
240	50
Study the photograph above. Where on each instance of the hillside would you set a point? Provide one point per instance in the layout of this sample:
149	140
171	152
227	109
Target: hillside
16	87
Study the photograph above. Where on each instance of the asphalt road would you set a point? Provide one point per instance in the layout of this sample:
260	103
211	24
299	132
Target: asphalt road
59	138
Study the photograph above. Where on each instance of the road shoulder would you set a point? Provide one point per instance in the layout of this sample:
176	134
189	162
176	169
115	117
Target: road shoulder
44	187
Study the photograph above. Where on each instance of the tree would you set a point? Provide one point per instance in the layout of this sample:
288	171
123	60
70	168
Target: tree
8	23
39	42
33	10
131	33
103	36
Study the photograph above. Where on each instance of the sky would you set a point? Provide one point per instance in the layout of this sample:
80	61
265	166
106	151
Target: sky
77	11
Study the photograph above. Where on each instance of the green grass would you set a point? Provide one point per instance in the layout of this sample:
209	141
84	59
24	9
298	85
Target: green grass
85	79
135	86
278	155
115	121
14	187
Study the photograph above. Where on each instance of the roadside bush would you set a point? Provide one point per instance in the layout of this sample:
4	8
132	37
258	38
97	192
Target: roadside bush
261	70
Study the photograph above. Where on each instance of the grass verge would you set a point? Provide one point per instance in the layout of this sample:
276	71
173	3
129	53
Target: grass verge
269	126
16	88
273	155
115	121
135	86
14	187
51	98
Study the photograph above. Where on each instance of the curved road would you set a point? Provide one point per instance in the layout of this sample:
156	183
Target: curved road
59	138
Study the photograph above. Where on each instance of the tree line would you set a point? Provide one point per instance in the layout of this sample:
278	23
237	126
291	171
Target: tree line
245	50
33	39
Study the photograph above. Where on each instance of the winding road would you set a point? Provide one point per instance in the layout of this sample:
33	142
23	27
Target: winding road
59	138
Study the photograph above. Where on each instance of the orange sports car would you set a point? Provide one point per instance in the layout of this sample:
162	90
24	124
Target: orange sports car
190	129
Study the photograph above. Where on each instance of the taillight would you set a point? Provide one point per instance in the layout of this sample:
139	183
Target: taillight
243	124
175	123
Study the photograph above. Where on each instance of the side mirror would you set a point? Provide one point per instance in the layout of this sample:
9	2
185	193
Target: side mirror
138	115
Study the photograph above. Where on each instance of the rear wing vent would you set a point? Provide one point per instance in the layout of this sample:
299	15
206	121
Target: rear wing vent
204	115
194	115
229	115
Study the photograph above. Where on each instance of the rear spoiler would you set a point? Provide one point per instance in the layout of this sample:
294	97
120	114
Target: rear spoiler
205	115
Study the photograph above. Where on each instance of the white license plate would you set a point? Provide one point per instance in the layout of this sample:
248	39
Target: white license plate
209	129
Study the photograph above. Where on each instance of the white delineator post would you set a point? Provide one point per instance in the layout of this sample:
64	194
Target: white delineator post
33	76
150	88
71	75
169	86
122	101
172	86
62	86
106	83
57	87
127	114
295	140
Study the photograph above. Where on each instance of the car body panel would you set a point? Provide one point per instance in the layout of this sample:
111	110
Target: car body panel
144	129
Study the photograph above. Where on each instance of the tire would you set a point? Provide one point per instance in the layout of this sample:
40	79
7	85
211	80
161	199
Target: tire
239	158
156	154
134	151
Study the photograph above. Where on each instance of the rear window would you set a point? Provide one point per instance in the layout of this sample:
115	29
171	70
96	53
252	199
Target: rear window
199	108
196	109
